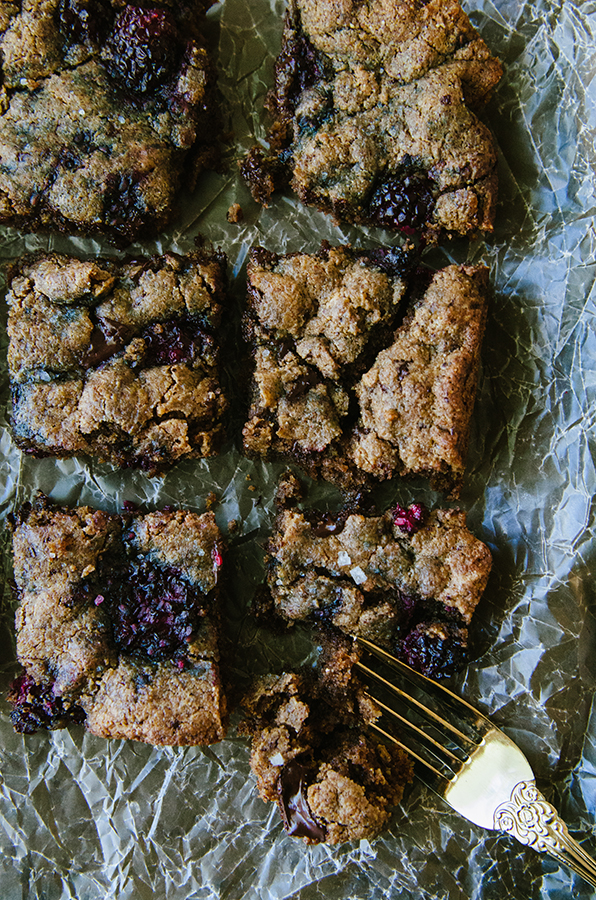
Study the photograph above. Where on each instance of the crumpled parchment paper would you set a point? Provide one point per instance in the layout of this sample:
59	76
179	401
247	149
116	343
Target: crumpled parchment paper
90	819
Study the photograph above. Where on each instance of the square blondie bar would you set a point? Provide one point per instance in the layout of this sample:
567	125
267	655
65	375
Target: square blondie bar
117	361
117	624
332	780
107	109
362	369
375	116
408	578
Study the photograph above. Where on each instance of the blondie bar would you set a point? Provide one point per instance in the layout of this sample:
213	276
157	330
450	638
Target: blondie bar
117	361
362	369
408	579
374	116
107	109
332	780
117	623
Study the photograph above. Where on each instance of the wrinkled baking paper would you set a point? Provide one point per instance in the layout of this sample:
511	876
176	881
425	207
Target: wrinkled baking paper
90	819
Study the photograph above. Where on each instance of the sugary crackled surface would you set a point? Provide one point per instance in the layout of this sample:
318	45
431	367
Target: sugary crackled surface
344	388
106	109
409	579
117	361
117	623
332	781
374	110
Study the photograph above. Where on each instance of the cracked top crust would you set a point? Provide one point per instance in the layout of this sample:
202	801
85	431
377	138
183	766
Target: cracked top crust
370	556
117	626
374	110
106	110
115	360
360	369
407	579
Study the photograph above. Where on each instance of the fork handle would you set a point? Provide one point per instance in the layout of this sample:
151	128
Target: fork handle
530	818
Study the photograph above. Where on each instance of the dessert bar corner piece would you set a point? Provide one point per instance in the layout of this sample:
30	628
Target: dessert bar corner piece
408	579
363	369
117	623
332	780
117	360
107	110
374	116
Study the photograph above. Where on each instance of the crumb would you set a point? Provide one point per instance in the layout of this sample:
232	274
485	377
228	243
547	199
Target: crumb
235	214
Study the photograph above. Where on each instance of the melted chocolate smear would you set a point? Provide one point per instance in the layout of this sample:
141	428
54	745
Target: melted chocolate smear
295	811
325	523
167	343
302	385
299	67
108	338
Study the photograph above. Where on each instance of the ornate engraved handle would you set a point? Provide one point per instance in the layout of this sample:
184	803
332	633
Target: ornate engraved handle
530	818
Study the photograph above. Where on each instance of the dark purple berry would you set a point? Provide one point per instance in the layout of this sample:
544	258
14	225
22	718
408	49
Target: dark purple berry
395	261
298	67
176	341
35	706
404	203
143	48
153	611
84	21
124	205
436	651
263	175
410	520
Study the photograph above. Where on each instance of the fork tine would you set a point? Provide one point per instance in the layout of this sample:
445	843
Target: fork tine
440	777
437	765
420	707
436	757
464	711
495	786
418	731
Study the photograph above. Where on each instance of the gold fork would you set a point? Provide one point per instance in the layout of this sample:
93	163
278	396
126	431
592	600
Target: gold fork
469	762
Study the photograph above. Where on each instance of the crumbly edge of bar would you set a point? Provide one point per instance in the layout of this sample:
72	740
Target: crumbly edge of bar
408	579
